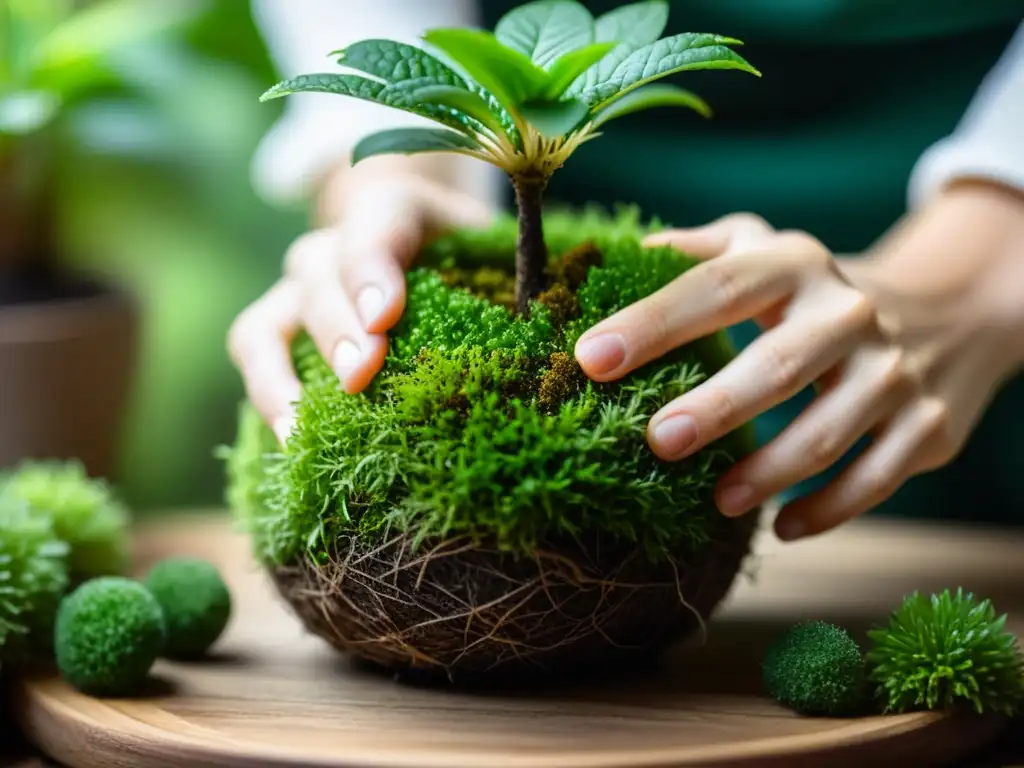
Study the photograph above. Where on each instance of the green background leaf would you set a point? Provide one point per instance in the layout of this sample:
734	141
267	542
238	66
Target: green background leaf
396	62
546	29
410	141
632	27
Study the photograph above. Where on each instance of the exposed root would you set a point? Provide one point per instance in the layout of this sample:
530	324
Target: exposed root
463	611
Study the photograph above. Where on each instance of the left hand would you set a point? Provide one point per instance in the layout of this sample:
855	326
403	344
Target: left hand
909	357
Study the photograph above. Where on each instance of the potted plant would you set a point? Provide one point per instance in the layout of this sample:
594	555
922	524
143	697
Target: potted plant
67	340
483	509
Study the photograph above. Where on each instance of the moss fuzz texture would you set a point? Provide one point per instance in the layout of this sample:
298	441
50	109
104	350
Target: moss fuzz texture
196	605
483	505
110	631
817	669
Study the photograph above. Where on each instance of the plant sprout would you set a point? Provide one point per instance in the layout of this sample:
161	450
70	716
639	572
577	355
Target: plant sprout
525	96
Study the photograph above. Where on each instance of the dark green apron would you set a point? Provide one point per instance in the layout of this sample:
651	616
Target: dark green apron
854	91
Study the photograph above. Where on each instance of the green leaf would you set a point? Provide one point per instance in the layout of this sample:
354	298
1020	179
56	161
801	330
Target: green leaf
650	97
24	112
410	141
465	102
398	96
572	65
396	62
555	119
546	29
680	53
507	74
632	27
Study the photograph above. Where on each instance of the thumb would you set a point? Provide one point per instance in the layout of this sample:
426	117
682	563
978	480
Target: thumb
736	232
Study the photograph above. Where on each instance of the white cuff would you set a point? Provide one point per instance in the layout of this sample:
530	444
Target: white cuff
989	141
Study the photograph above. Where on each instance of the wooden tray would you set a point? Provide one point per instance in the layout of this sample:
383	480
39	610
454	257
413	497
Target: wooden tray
273	696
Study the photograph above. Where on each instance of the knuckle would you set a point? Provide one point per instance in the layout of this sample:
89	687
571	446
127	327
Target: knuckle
305	252
748	220
783	366
877	483
723	283
822	449
796	241
860	311
721	408
895	372
240	333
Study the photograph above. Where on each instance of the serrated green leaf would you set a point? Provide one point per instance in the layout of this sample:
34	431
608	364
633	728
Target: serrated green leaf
564	72
463	101
396	62
397	96
650	97
410	141
508	75
554	119
545	30
631	27
669	56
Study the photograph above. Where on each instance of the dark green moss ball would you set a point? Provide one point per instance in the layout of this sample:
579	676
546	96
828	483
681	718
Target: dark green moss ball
196	604
816	669
109	632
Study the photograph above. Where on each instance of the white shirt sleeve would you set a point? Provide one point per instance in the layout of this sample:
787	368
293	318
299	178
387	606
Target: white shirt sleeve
989	141
317	131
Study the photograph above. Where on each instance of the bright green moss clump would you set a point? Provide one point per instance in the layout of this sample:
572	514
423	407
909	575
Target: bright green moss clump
109	632
817	669
945	651
196	604
84	511
477	425
32	578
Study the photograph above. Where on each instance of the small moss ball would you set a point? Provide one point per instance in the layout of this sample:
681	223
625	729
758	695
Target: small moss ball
816	669
109	632
195	601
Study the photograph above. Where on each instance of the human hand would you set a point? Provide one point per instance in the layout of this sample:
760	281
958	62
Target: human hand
344	283
907	358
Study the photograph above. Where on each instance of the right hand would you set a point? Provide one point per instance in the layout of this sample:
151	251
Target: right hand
345	285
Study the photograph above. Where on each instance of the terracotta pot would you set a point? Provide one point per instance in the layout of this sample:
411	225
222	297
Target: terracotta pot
66	368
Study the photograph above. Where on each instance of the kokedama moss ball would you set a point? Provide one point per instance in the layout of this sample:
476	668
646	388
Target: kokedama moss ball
483	508
195	601
947	651
816	668
109	632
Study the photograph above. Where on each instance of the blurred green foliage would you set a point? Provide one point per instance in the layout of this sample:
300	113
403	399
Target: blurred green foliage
155	190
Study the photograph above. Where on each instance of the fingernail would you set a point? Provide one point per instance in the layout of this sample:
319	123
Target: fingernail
369	304
284	427
736	500
346	359
675	435
790	529
601	354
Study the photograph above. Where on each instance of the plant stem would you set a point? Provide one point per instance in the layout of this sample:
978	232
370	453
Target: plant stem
531	250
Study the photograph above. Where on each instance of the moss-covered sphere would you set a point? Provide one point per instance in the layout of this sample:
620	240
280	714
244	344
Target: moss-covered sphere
483	506
195	601
33	577
85	513
109	632
816	668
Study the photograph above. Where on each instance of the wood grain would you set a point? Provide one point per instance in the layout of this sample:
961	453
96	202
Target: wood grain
273	696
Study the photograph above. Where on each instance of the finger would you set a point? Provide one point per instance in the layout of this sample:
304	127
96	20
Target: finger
742	231
259	343
771	370
711	296
384	232
333	323
870	389
899	452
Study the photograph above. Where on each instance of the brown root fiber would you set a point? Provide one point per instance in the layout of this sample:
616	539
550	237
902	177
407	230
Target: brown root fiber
465	613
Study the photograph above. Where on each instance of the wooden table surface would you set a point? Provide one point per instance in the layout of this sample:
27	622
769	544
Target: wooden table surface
854	569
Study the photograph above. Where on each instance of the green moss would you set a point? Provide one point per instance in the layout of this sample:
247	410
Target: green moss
468	432
33	576
84	511
196	604
110	631
946	651
816	669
